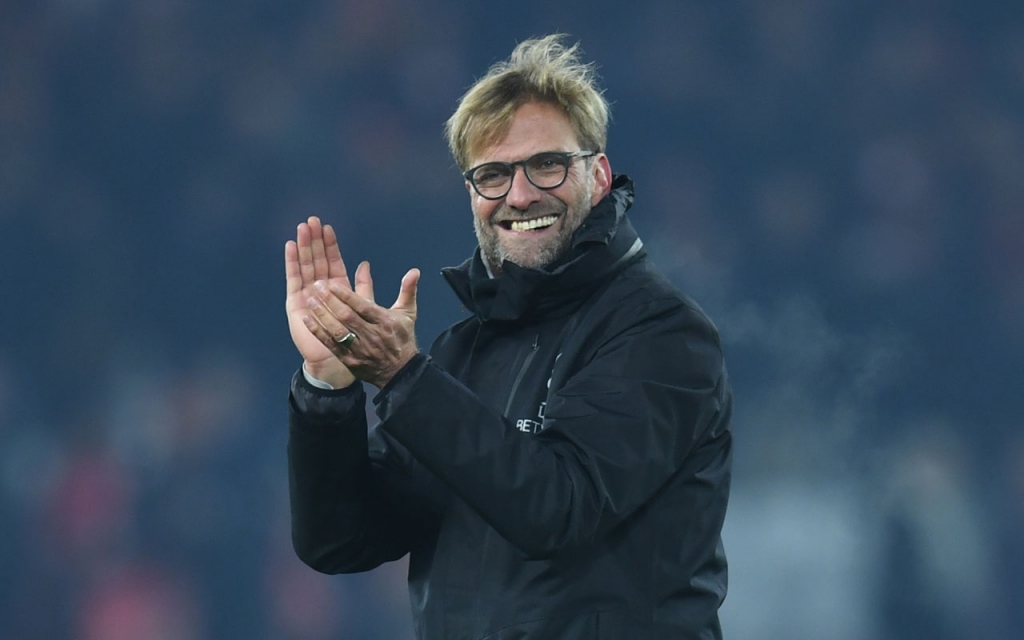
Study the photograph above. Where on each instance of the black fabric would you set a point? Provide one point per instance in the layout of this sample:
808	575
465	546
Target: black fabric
558	467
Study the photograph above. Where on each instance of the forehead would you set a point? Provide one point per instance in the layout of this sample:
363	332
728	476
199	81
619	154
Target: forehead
534	127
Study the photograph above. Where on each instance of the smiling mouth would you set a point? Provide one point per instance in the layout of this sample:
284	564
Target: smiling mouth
534	224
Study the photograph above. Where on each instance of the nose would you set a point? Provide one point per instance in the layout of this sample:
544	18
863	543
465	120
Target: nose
522	193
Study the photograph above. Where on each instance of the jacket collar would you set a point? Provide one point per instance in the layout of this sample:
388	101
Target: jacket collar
603	244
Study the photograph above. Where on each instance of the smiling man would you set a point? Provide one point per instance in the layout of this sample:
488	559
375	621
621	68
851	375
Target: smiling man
557	465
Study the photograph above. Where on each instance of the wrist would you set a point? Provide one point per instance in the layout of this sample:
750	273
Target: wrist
386	377
334	374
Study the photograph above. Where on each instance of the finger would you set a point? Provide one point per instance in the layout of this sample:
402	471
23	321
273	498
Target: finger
316	235
355	309
341	319
323	336
302	240
332	252
406	300
292	276
334	328
364	281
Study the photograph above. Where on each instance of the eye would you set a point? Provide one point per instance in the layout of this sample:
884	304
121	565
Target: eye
546	162
490	174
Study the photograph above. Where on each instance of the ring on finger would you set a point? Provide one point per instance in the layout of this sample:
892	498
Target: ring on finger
346	340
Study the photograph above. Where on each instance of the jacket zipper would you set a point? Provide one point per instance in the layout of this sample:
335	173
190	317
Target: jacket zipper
522	372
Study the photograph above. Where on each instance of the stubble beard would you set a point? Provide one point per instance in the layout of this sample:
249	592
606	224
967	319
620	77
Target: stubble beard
542	252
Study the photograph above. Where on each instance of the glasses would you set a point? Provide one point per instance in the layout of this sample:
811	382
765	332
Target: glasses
545	170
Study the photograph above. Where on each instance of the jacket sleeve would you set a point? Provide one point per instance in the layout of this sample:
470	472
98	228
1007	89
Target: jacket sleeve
348	510
622	424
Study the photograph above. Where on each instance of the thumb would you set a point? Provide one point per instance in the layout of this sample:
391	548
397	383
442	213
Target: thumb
407	294
364	281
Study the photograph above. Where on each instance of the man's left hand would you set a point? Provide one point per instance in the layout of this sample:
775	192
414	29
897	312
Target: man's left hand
384	340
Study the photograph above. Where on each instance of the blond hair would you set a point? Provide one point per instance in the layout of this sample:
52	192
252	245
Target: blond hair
539	70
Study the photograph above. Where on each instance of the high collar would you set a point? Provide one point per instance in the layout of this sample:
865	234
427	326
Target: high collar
603	244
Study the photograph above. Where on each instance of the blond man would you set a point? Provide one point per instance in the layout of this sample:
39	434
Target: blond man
557	465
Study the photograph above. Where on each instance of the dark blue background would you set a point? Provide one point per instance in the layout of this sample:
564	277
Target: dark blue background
840	184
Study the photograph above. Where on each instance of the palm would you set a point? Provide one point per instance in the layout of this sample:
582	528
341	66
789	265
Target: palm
311	349
313	256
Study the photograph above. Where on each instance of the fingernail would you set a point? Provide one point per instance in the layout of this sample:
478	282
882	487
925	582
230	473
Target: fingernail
319	286
308	321
313	303
335	287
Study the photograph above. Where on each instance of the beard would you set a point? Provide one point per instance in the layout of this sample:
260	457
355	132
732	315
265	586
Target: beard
527	252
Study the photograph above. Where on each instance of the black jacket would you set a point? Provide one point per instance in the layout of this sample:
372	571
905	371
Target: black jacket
557	468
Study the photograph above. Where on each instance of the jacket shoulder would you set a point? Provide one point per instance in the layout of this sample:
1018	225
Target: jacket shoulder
642	293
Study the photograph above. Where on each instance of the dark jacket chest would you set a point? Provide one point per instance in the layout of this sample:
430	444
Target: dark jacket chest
508	366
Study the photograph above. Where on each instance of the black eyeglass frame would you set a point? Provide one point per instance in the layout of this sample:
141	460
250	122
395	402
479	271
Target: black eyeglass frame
566	156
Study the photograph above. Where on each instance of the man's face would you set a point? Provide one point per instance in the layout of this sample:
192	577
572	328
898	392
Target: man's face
536	127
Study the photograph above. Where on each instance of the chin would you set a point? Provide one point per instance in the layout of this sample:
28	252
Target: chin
533	261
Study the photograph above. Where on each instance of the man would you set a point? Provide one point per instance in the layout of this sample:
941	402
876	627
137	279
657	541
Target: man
558	466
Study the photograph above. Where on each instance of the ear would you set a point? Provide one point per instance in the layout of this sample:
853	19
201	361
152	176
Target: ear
602	178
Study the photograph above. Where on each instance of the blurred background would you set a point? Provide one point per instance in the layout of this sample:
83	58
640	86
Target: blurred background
839	183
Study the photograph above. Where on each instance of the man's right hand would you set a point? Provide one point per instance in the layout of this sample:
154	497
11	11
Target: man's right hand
314	255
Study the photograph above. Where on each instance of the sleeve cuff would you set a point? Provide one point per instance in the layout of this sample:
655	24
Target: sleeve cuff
317	404
316	382
398	388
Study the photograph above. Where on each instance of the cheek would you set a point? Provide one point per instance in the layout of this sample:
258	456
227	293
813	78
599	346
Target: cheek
578	191
483	209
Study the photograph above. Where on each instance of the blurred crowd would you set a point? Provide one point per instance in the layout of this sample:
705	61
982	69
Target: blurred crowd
839	184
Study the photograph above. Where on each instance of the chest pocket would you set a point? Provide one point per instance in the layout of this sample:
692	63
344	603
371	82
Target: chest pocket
532	381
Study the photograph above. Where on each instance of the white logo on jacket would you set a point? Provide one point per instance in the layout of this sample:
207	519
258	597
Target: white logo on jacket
527	425
533	426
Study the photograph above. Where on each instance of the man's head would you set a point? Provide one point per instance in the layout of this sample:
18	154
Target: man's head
543	99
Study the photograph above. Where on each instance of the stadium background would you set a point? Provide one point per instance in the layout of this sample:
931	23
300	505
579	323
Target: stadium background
840	184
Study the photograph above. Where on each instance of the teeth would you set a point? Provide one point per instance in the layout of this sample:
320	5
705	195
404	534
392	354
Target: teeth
536	223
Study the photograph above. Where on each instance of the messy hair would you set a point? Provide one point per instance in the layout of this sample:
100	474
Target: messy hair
539	70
